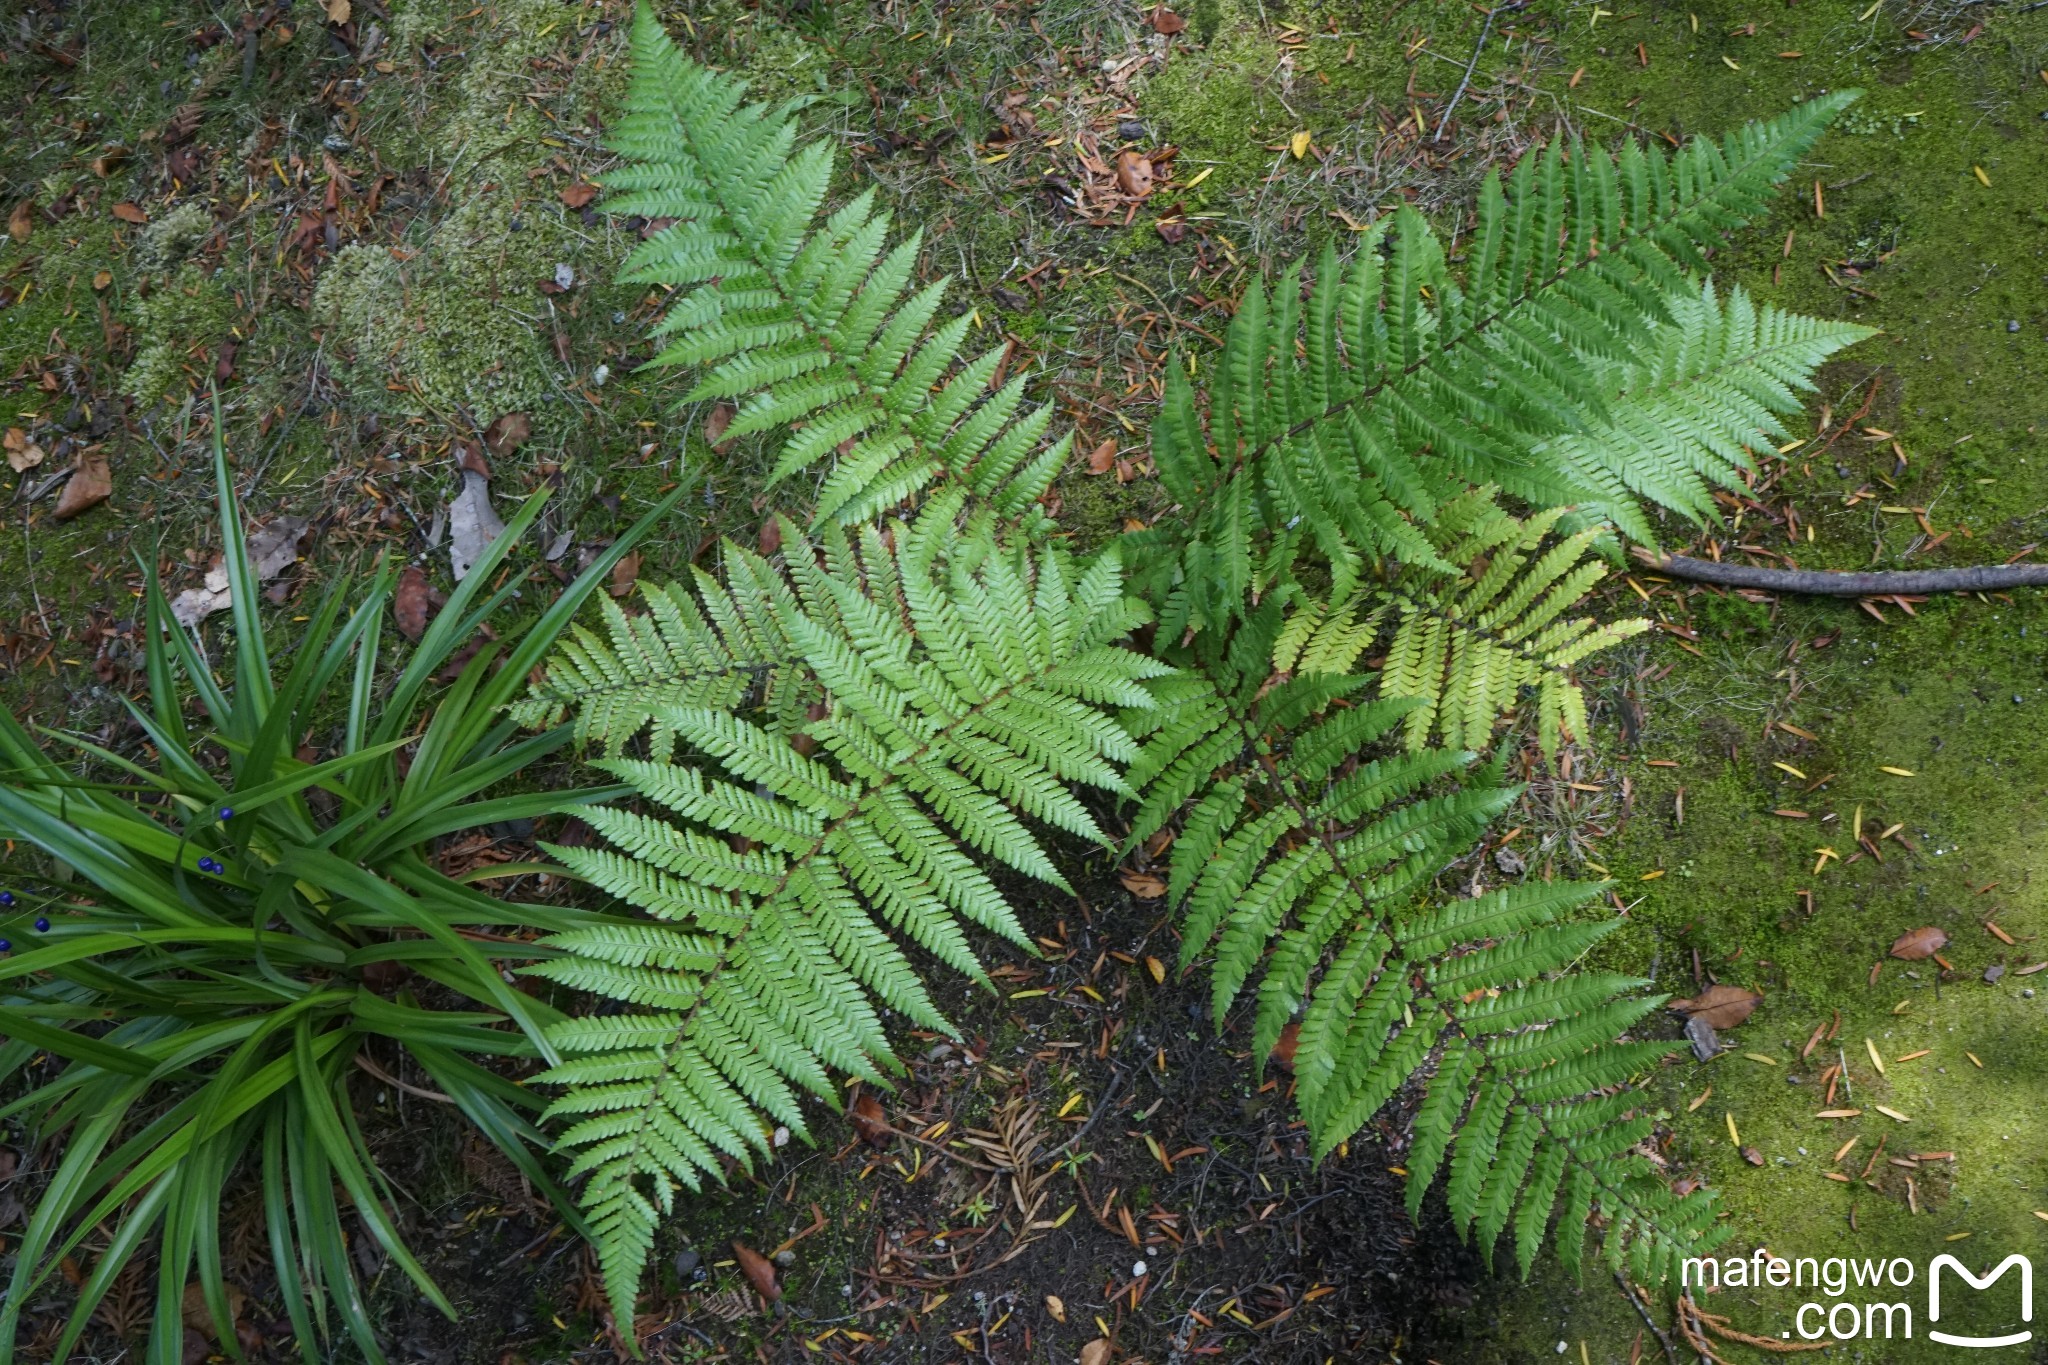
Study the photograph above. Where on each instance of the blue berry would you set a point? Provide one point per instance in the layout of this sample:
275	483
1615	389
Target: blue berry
227	812
42	924
6	898
5	946
206	864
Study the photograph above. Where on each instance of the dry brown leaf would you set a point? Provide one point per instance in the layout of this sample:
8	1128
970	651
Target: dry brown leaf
579	194
1096	1352
770	538
1143	885
337	11
1166	21
625	574
129	213
869	1121
414	603
759	1270
507	434
22	221
22	453
1283	1051
91	483
715	422
1102	459
1054	1306
1720	1006
198	1318
1134	174
1911	947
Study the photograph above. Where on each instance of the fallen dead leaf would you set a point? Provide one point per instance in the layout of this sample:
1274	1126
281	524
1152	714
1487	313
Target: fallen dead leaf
1166	21
1102	459
1283	1051
759	1270
273	548
579	194
129	213
770	539
1054	1306
1134	173
715	422
870	1123
414	603
1096	1352
472	524
1720	1006
22	221
91	483
507	434
101	279
1911	947
1143	885
197	1316
625	574
22	453
337	11
1300	143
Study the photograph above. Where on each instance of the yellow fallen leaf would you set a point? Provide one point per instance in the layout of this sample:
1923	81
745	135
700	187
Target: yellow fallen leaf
1298	144
1867	13
1700	1101
1759	1057
1896	772
1958	1236
1973	1060
1891	1113
1158	970
1204	174
1838	1114
1790	769
1073	1102
1056	1308
1875	1060
1733	1136
1730	61
2040	1215
1984	179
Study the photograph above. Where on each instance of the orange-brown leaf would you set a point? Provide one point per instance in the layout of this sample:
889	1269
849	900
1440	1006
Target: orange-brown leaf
1720	1006
1911	947
759	1270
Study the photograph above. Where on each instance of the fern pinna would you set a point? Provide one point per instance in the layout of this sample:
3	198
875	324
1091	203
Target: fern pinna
958	684
814	329
1339	418
1298	851
1465	648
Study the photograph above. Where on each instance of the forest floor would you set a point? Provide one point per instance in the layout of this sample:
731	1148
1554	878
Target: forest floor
370	224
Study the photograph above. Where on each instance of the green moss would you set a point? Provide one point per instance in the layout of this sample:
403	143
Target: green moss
187	314
456	322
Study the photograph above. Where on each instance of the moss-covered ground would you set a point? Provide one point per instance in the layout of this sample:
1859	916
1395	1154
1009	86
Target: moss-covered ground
372	235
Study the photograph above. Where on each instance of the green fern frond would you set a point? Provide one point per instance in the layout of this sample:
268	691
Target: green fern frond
1468	648
815	328
786	866
1338	423
1305	844
1683	409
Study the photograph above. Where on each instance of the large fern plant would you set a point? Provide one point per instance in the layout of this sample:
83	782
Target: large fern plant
1399	452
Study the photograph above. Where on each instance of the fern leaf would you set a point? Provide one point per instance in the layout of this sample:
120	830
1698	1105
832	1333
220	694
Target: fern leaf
783	848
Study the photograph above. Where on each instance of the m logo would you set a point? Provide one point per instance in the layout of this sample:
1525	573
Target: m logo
2026	1298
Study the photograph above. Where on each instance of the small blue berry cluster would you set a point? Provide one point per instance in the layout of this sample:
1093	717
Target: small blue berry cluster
42	921
209	865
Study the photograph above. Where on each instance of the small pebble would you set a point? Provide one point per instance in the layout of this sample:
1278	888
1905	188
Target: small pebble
1138	1269
1992	973
785	1258
2028	993
2013	326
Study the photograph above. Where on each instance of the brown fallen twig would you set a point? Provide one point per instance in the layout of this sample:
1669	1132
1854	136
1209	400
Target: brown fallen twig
1883	583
